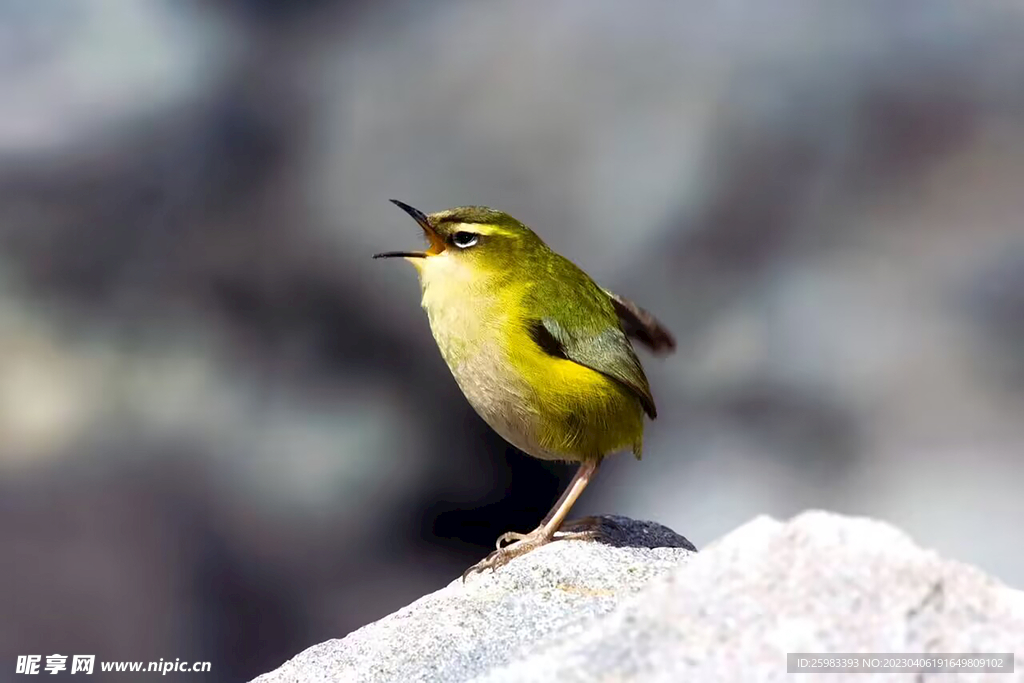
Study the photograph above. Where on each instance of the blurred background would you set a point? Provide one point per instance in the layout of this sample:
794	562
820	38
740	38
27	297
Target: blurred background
226	434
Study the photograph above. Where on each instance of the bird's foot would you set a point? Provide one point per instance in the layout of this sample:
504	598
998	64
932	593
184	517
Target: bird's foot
510	545
585	529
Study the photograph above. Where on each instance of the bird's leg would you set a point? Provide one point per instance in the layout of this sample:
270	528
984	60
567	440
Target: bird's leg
513	544
560	509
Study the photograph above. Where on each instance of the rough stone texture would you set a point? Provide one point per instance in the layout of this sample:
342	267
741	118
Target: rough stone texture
466	629
576	611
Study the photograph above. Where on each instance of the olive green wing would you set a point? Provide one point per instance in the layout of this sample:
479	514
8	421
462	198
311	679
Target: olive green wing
578	322
608	352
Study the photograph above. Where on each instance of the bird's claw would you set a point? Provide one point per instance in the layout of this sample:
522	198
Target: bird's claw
508	538
517	544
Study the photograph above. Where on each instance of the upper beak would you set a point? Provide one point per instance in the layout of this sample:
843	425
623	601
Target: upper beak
436	243
416	214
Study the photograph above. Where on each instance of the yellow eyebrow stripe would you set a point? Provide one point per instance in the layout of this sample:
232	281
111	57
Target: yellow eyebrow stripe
482	229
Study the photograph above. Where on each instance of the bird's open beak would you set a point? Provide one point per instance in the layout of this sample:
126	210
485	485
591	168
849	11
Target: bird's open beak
436	243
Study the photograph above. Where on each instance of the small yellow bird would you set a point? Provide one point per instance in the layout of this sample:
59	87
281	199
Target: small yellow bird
540	350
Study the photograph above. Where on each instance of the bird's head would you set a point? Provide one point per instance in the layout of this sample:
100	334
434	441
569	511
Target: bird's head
469	240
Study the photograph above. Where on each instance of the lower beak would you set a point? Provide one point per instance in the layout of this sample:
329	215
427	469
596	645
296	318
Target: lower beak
401	254
436	243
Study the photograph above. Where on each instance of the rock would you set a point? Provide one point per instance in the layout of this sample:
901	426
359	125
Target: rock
466	629
577	611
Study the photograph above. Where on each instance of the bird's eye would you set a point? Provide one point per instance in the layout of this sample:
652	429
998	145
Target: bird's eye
464	240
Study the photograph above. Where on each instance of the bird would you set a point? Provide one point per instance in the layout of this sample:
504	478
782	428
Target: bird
541	352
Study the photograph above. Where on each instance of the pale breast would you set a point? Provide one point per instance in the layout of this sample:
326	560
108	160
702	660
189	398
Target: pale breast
466	324
502	399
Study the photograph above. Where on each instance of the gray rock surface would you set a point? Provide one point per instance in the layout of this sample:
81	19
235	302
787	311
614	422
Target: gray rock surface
576	611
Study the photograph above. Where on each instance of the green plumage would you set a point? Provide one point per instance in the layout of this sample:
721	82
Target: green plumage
540	350
579	317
